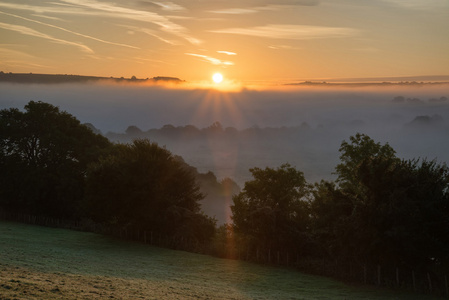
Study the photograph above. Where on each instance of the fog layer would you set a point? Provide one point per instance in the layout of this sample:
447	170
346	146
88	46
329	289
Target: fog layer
311	122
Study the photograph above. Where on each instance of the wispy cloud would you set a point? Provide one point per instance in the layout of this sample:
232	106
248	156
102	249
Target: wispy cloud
69	31
227	52
137	15
47	17
18	59
296	32
144	59
29	31
233	7
234	11
252	3
212	60
289	2
283	47
7	53
253	6
170	6
38	9
96	8
150	33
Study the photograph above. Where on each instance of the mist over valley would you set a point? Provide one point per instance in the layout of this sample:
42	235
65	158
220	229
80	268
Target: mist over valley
229	132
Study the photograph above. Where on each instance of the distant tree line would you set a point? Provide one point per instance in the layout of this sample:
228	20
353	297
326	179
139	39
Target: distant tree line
402	99
215	130
381	210
67	78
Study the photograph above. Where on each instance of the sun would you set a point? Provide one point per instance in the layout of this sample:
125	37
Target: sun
217	78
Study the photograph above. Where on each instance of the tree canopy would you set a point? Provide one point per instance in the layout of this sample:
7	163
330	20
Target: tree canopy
44	156
144	186
384	209
272	209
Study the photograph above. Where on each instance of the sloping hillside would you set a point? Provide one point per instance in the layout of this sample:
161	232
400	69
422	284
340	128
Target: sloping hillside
47	263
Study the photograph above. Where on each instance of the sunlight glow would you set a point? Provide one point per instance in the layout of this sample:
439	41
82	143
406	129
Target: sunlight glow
217	78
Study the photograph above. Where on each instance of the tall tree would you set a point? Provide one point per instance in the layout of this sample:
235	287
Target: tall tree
272	209
144	186
44	156
384	209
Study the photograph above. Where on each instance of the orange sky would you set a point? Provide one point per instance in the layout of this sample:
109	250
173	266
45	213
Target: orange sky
247	41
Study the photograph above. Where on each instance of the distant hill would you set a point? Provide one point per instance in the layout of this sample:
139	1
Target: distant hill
64	78
365	84
377	81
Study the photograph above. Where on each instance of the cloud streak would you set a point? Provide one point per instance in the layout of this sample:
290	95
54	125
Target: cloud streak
227	52
251	7
69	31
294	32
170	6
150	33
254	3
234	11
212	60
138	15
31	32
284	47
101	9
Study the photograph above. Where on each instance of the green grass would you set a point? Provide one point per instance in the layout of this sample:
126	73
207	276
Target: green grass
47	263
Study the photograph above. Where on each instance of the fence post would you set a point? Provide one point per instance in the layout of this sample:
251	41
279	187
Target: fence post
278	258
430	282
269	256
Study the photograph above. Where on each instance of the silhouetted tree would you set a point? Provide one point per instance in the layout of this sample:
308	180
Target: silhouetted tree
133	130
215	129
272	209
144	186
331	226
384	210
44	155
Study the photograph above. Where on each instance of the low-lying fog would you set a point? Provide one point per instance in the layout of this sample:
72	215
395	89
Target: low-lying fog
303	126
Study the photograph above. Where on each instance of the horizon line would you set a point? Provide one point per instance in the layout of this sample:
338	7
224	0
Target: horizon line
284	81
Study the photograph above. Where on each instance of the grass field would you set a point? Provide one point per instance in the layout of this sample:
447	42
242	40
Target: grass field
47	263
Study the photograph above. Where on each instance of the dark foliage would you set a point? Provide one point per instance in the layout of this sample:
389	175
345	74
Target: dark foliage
272	209
384	210
44	156
143	186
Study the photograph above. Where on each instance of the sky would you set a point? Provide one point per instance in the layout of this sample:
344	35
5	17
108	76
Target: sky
247	41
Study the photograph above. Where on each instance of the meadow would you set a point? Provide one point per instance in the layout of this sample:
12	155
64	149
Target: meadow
49	263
